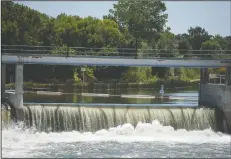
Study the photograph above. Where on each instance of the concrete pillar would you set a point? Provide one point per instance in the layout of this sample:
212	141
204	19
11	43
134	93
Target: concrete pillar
204	79
3	76
204	76
19	86
228	76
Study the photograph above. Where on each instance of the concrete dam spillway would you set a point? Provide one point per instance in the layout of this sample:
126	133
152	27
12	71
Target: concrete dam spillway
91	119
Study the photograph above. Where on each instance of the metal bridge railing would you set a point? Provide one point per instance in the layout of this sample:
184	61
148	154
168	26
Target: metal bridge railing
217	79
115	52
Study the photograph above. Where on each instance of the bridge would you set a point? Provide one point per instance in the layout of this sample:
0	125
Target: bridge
213	95
53	55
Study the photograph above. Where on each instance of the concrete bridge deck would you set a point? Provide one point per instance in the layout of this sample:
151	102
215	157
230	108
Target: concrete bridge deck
60	55
112	61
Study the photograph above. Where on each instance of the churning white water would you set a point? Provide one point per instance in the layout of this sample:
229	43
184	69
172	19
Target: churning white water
144	140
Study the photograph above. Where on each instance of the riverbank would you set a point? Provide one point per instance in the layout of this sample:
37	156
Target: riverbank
171	83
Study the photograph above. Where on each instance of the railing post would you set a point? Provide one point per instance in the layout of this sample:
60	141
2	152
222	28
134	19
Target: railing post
3	74
220	79
136	55
67	51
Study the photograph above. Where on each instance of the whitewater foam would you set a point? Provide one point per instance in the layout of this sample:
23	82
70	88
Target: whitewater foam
20	142
143	132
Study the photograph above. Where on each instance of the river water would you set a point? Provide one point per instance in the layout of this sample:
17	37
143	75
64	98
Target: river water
182	96
116	132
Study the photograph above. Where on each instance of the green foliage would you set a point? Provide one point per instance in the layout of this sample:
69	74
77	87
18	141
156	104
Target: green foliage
137	74
62	50
187	74
183	46
221	41
90	74
145	50
167	45
20	24
75	75
211	45
146	17
197	35
153	79
108	52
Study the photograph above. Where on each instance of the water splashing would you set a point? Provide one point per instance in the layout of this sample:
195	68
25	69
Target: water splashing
65	118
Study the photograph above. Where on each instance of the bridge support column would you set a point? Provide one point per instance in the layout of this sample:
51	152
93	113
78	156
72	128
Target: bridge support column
18	102
3	76
204	79
228	76
204	76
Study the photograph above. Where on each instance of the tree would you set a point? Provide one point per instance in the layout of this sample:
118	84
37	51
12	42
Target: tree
228	44
221	41
66	28
184	47
20	24
210	45
137	74
167	45
147	17
197	35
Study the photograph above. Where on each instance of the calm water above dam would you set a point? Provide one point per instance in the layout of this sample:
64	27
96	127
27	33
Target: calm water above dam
98	132
121	96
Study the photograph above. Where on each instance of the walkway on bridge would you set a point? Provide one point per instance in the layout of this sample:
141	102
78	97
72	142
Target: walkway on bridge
53	55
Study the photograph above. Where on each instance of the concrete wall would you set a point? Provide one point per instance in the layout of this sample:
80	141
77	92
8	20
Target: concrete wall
218	96
16	97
